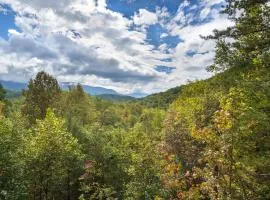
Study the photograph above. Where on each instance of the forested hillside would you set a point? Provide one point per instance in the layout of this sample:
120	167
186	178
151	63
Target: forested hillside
162	99
209	139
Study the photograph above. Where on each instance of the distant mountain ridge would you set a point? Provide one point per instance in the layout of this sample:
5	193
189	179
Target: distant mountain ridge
13	86
162	99
116	97
95	91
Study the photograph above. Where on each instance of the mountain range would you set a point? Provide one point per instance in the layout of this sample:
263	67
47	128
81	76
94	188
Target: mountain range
104	93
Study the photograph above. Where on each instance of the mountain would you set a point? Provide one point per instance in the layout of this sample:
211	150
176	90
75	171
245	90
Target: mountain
16	86
162	99
13	94
13	86
95	91
116	97
138	94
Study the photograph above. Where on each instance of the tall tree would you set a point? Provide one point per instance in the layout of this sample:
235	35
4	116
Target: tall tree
52	155
42	93
247	43
2	93
13	184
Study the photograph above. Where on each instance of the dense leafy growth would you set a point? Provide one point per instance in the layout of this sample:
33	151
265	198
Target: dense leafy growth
42	93
162	99
208	139
2	93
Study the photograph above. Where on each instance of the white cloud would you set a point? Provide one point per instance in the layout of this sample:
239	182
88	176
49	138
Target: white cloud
194	54
80	42
163	35
205	12
183	5
83	41
3	10
144	17
209	3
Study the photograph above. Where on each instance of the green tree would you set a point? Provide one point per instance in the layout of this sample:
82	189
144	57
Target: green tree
236	147
144	165
109	160
52	156
248	41
78	109
43	92
13	183
220	138
2	93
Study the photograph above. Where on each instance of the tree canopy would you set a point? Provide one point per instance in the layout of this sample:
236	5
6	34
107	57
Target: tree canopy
42	93
208	139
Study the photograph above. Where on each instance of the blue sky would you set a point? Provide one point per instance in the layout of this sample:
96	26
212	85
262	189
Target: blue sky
7	22
128	7
130	46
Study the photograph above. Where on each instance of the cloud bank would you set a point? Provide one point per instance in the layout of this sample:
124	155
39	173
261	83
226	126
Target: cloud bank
84	41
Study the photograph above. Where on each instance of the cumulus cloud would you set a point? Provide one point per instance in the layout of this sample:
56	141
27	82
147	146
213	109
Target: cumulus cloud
83	41
144	17
191	56
204	13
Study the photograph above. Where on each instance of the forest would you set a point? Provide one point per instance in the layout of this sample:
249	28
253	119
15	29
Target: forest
208	139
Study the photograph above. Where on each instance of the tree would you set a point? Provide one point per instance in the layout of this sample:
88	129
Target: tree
53	154
13	183
236	146
221	139
144	165
248	41
107	161
2	93
42	93
77	108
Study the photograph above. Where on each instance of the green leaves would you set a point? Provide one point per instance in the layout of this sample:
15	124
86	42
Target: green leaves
52	154
43	92
12	179
2	93
220	137
248	39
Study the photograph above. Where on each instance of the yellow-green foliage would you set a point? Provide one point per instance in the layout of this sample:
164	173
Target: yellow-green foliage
208	139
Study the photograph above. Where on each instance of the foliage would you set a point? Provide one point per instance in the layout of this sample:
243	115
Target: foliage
12	143
2	93
12	94
162	99
52	155
207	139
115	97
248	41
221	140
42	93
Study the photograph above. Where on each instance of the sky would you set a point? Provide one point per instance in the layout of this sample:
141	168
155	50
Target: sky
131	46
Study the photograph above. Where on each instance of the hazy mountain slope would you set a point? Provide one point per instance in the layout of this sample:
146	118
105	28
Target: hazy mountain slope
89	89
116	97
16	86
13	86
